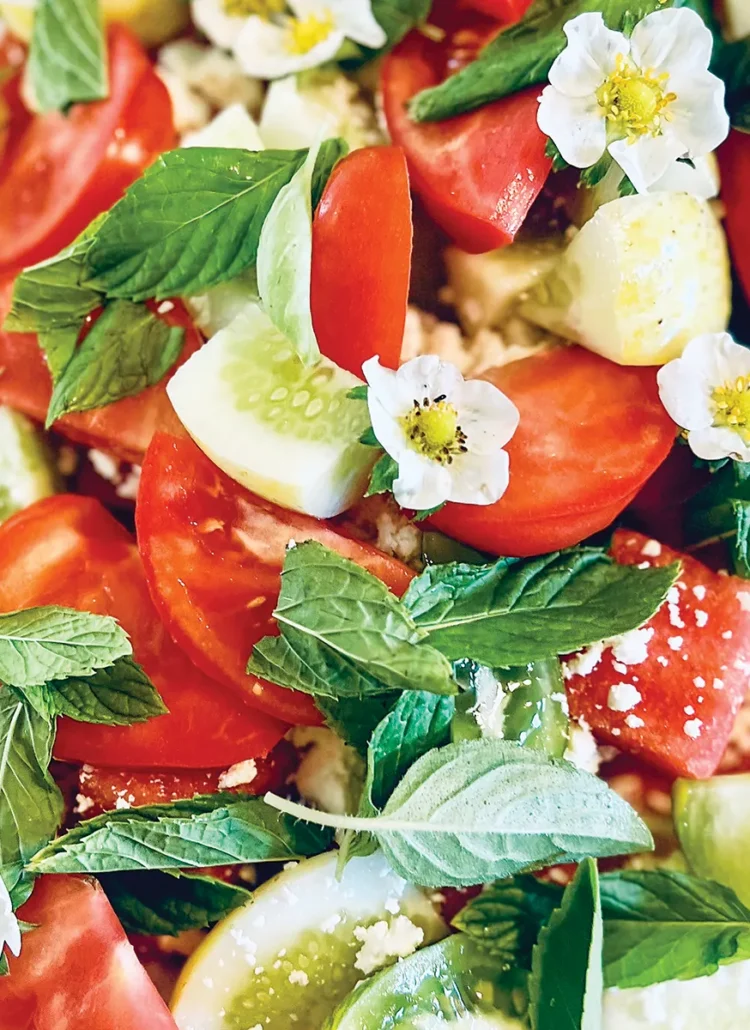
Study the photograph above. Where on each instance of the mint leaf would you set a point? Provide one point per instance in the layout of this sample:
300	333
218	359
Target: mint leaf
170	902
31	806
513	612
68	54
565	989
40	644
345	633
383	476
397	17
192	221
662	925
215	829
721	512
480	810
355	719
128	349
119	695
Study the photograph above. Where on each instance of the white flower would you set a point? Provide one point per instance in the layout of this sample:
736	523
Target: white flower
648	100
10	932
445	433
273	38
707	392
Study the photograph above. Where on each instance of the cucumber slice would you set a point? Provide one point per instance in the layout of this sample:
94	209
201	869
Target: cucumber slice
27	472
218	307
232	127
712	819
454	983
287	432
287	958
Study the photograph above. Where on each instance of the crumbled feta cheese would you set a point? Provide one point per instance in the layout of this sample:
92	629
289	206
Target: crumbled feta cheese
744	598
651	549
165	307
701	618
122	802
623	696
718	684
675	643
128	488
584	662
329	925
238	774
105	465
662	660
634	722
689	710
329	770
644	565
699	681
299	977
727	634
631	648
582	750
673	601
83	804
382	941
699	591
693	728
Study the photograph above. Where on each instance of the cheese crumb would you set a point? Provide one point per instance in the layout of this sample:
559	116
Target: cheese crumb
584	662
699	591
330	924
582	750
718	684
631	648
693	728
623	696
727	634
675	643
634	722
701	618
699	681
689	710
238	774
381	942
744	598
83	804
651	549
300	977
662	660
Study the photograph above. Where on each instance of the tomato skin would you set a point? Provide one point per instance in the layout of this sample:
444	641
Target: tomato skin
69	168
213	554
124	428
671	700
734	164
362	240
76	968
479	173
591	433
69	550
507	11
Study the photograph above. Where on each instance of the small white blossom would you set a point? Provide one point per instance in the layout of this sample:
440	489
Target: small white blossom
10	932
648	100
273	38
445	433
707	393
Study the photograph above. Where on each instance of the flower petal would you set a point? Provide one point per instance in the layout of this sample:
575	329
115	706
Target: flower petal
480	478
392	391
701	181
686	384
428	377
647	158
487	417
421	483
262	50
220	27
387	429
718	442
673	41
354	18
699	116
575	124
588	58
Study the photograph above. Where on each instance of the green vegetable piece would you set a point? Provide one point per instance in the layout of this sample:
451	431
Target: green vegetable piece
68	54
27	471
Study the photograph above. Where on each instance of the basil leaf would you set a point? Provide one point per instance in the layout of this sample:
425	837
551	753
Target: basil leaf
721	511
128	349
480	810
170	902
397	17
565	989
513	612
119	695
215	829
363	629
68	54
31	806
355	719
520	56
192	221
40	644
662	925
383	476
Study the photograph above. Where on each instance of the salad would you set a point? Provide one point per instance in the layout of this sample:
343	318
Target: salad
374	514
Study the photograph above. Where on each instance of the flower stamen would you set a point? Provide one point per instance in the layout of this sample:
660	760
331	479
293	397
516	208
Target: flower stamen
732	406
635	100
304	34
432	430
261	8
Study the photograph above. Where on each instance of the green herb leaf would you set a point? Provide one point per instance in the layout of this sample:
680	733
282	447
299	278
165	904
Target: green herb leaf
383	476
344	632
40	644
358	393
170	902
480	810
513	612
192	221
128	349
355	719
119	695
662	925
731	62
216	829
565	989
721	511
397	17
67	54
31	806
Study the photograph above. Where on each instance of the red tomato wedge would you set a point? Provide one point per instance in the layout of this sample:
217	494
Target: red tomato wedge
213	554
693	680
362	237
76	968
69	550
124	428
69	168
734	164
591	433
14	116
477	174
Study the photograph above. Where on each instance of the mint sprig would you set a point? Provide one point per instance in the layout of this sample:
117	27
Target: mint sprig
68	54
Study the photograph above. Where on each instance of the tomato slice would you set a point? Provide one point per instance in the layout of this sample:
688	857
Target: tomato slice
69	168
591	433
69	550
734	164
362	238
693	680
76	968
14	117
477	174
213	554
124	428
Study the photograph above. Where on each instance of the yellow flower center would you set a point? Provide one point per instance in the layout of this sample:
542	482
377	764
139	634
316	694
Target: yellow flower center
305	33
433	430
263	8
635	100
732	406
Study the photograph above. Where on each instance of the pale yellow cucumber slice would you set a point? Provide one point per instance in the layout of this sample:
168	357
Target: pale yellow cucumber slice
27	471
